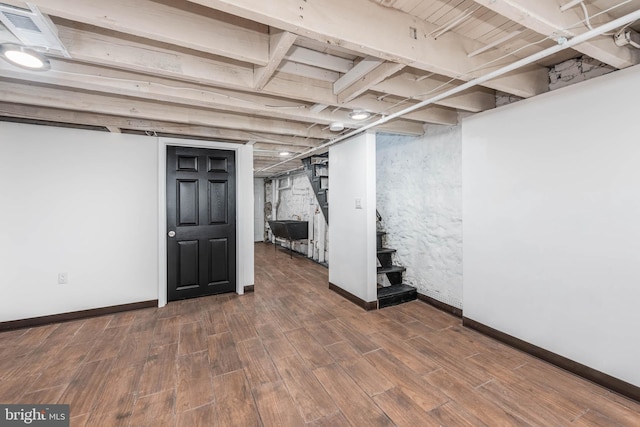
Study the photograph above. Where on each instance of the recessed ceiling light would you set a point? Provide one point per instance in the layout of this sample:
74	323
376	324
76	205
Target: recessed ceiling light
285	153
359	115
24	57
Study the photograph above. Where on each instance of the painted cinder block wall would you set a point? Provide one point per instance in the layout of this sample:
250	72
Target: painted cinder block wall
419	196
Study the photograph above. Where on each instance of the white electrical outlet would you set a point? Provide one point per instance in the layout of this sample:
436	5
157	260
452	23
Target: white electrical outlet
63	278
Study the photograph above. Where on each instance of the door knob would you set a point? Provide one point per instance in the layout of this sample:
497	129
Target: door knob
172	233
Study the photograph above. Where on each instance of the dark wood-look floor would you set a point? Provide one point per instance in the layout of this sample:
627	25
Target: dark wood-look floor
292	354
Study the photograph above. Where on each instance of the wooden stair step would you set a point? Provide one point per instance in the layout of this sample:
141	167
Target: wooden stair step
391	269
385	251
396	294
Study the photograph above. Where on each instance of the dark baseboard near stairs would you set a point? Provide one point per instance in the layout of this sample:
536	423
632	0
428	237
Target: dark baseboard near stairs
440	305
387	296
74	315
250	288
366	305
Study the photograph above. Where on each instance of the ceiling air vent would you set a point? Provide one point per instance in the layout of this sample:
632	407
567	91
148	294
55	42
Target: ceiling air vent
32	28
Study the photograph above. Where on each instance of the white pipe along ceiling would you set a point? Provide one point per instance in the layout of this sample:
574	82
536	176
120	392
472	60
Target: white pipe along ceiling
562	44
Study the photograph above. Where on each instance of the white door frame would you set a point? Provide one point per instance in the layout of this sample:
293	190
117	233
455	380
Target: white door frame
244	210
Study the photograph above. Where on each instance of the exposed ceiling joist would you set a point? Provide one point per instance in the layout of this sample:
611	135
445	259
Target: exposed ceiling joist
134	55
360	70
369	80
407	84
105	104
192	27
279	44
314	58
308	71
546	18
57	115
434	114
276	74
112	50
446	56
117	82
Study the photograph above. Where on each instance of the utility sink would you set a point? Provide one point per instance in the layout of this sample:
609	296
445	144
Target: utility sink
290	230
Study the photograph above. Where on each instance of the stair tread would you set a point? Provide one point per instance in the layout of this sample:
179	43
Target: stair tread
391	269
385	250
393	290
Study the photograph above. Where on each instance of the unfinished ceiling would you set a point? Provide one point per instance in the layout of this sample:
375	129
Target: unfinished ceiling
278	73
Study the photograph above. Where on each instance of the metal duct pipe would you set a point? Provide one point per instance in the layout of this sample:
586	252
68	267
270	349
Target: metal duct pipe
609	26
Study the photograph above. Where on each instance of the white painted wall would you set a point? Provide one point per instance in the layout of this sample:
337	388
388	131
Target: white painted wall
551	222
294	200
245	262
352	231
92	204
80	202
258	209
419	196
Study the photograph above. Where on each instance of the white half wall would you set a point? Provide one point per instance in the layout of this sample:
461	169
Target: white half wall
419	196
551	208
258	209
92	205
79	202
352	229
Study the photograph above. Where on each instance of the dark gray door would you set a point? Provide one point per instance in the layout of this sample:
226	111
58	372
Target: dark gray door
201	222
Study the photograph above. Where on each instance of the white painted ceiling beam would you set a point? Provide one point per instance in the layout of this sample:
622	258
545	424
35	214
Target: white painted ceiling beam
412	129
434	114
112	50
281	82
357	27
359	70
405	84
150	110
185	25
94	119
139	57
314	58
282	147
134	55
370	79
279	44
309	71
116	82
546	18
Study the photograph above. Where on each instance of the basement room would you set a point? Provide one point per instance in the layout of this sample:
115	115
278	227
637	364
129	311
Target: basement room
319	213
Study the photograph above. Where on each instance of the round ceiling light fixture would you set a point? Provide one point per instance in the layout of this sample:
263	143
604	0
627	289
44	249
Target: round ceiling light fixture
359	115
24	57
336	127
